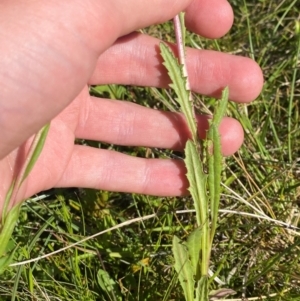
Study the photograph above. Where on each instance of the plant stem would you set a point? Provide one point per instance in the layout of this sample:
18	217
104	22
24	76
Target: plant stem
180	42
203	219
180	37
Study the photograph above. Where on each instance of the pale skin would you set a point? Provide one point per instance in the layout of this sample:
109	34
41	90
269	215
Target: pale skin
51	51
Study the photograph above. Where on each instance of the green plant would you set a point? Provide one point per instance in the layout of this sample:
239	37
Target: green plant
204	165
10	215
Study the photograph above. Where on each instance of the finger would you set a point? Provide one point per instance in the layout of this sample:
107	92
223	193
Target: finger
69	165
136	60
202	17
125	123
113	171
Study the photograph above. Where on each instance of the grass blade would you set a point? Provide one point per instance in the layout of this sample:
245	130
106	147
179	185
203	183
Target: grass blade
7	201
34	152
7	227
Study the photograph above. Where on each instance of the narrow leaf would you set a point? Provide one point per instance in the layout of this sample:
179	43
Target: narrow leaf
209	148
183	268
37	146
197	181
215	160
8	228
214	169
175	72
7	201
221	108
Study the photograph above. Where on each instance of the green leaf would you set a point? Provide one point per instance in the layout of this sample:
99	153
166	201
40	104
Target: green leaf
184	268
104	280
194	244
37	146
214	169
10	217
108	285
215	161
8	228
197	181
221	108
6	260
202	289
175	72
7	201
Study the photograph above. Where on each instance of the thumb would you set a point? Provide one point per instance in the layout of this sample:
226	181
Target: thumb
49	50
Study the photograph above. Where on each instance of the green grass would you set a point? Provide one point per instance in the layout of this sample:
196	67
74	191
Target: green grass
253	256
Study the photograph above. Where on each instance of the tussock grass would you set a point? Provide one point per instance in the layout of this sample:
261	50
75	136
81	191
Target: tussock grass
254	256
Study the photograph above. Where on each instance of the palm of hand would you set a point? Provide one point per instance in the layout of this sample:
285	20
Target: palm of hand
132	60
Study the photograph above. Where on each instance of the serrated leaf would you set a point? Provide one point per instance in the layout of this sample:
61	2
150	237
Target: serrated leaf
221	108
175	72
194	245
184	268
39	142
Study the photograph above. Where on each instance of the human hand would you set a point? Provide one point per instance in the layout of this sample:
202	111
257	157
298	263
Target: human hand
55	49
